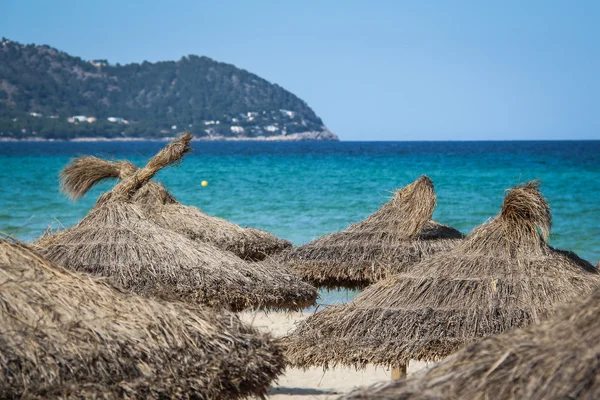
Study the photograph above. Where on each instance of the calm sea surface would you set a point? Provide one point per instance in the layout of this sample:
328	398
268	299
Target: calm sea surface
300	191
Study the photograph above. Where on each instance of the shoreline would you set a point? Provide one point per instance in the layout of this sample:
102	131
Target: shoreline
319	136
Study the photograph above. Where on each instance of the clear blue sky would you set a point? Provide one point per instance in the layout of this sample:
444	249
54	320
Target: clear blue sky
372	70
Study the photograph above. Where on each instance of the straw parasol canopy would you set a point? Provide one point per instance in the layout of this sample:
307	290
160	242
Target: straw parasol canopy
116	240
66	335
248	243
557	359
396	236
503	276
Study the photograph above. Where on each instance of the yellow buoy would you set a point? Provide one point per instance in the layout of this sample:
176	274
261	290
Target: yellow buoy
204	183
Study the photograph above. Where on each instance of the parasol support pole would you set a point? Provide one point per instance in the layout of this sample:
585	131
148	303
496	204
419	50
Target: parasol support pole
399	372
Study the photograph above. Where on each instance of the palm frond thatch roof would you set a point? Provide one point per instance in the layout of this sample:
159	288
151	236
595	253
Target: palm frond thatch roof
503	276
248	243
118	241
557	359
66	335
396	236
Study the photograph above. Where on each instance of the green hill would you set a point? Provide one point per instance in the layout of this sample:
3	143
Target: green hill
46	93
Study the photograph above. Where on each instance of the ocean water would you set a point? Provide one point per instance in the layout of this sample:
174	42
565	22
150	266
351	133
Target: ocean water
300	191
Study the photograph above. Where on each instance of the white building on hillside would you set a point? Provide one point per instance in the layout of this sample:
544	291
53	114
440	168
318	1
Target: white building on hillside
289	113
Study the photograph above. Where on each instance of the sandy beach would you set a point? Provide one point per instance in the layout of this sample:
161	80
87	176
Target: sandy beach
314	383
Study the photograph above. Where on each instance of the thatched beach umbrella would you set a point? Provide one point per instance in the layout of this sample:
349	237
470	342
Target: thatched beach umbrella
66	335
396	236
118	241
502	276
557	359
248	243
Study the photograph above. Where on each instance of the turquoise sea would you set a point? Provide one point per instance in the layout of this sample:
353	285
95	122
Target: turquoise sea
303	190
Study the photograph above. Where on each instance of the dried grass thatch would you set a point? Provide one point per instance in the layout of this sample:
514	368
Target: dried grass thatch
85	172
116	240
65	335
398	235
502	276
557	359
248	243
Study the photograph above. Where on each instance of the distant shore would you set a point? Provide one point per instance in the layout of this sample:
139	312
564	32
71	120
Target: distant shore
293	137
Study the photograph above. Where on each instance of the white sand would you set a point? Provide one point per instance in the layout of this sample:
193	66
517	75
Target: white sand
314	383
